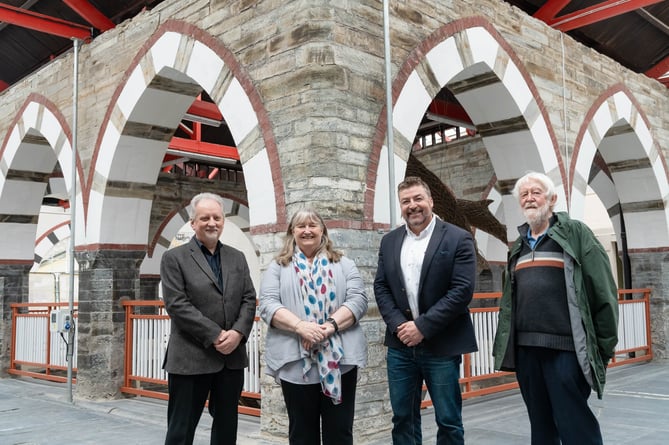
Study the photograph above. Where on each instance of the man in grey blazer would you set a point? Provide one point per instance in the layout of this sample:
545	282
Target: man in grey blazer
423	286
211	301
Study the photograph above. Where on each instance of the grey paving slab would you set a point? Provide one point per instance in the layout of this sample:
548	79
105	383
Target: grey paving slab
634	411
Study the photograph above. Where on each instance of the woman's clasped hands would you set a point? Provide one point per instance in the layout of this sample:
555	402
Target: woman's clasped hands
312	333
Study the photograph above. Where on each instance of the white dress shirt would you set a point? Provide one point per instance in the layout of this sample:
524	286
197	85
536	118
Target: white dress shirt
411	261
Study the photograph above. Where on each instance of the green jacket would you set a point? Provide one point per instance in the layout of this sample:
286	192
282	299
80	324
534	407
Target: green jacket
592	301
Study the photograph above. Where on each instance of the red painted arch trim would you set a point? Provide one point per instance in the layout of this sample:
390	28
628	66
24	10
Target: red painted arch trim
606	95
102	246
416	56
17	262
62	122
168	219
51	230
240	74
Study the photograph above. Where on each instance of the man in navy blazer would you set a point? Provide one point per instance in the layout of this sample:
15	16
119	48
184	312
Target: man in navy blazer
211	301
423	286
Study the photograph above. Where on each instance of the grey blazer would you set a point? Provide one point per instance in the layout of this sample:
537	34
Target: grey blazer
199	309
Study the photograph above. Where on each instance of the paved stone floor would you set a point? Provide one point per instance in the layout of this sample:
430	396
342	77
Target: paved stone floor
635	410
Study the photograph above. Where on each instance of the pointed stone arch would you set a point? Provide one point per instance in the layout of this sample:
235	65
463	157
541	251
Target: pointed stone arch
616	155
37	144
176	63
472	59
47	241
235	212
491	248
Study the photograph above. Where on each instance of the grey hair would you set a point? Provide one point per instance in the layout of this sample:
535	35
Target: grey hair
285	256
546	183
205	195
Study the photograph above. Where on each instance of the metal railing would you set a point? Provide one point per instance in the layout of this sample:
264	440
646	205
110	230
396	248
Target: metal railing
478	376
634	337
147	333
477	371
36	352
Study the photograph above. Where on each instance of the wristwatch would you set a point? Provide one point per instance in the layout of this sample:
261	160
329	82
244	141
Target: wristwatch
333	323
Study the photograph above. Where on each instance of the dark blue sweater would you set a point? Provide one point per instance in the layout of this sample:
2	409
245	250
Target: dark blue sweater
542	315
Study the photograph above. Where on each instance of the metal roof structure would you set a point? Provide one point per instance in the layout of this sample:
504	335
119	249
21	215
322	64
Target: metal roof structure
33	32
635	33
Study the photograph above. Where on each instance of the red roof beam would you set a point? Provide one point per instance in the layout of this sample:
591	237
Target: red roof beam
597	13
660	71
449	109
3	85
43	23
205	109
204	148
91	14
550	9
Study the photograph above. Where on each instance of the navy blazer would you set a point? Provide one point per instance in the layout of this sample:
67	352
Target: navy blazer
445	290
199	308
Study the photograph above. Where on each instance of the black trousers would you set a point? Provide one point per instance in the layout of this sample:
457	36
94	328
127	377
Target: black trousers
556	395
188	394
308	408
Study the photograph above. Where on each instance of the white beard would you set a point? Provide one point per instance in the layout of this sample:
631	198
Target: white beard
537	217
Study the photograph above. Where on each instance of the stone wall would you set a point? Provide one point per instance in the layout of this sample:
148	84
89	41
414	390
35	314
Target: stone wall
651	270
13	289
106	278
372	404
463	165
319	70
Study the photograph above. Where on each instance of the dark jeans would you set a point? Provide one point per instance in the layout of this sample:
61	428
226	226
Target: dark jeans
407	368
556	395
188	394
308	407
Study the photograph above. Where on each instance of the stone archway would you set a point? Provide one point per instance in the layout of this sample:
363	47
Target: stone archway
616	155
631	175
176	64
480	68
235	233
36	145
179	62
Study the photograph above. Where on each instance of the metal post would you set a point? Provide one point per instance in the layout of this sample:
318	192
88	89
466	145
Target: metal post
73	214
389	115
567	188
56	286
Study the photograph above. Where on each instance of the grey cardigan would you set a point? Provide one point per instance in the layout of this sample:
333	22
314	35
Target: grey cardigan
279	289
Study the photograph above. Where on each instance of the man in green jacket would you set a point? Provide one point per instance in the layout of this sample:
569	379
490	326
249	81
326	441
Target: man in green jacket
558	318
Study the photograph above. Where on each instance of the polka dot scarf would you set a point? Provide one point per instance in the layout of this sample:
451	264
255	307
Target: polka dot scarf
318	292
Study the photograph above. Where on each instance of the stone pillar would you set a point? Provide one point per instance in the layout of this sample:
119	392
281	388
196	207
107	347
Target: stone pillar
14	284
651	269
372	410
106	277
149	287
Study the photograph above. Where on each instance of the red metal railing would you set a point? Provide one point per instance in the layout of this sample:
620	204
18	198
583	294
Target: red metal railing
476	380
633	346
150	380
32	347
634	342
